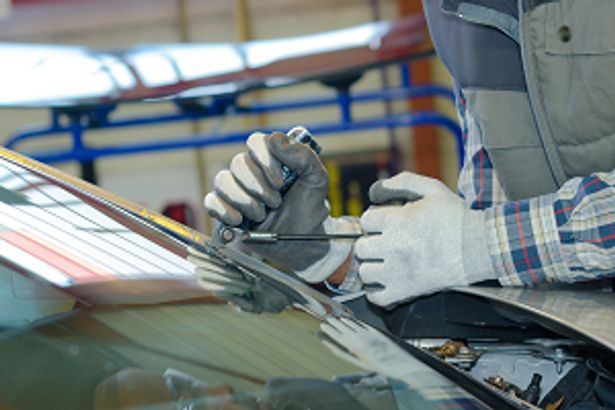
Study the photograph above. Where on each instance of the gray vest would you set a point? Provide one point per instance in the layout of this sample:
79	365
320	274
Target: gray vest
556	120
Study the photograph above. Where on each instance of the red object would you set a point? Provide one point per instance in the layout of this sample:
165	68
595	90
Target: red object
180	212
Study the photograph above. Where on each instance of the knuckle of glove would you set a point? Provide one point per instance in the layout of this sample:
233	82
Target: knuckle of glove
374	219
259	151
295	155
217	208
231	192
363	247
251	178
372	273
227	188
375	192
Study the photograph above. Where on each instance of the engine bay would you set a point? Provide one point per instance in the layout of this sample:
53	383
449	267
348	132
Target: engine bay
529	358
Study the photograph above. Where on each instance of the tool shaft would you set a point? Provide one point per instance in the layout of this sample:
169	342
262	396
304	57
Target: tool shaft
272	237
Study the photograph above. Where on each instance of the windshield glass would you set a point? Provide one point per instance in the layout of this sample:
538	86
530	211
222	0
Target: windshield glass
75	242
101	308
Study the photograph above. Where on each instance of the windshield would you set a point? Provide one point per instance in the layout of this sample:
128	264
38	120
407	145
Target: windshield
102	308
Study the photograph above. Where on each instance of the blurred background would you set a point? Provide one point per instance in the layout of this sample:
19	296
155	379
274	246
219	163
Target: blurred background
175	181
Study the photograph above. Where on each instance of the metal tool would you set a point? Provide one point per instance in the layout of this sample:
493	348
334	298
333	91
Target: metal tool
272	237
299	134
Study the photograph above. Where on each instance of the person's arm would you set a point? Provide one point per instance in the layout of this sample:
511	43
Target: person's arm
434	241
567	236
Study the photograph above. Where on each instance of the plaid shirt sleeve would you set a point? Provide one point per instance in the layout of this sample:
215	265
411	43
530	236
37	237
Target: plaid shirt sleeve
566	236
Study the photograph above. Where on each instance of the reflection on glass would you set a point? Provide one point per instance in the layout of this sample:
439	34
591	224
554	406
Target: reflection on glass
45	73
370	349
251	293
132	387
120	72
54	234
216	89
155	69
261	53
204	61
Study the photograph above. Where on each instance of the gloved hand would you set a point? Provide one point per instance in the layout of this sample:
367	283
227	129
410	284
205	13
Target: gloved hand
250	189
250	293
428	244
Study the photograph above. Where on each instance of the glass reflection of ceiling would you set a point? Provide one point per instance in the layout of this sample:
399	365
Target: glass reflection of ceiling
261	53
54	234
198	61
64	74
44	75
52	74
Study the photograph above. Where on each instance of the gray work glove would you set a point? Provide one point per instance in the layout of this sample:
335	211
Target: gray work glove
251	189
427	244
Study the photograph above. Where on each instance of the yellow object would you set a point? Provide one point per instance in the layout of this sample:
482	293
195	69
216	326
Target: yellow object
354	206
336	198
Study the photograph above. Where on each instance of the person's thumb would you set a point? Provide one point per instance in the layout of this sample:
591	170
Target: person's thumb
405	186
298	157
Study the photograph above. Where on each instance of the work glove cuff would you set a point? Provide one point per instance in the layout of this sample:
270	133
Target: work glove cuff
338	250
477	264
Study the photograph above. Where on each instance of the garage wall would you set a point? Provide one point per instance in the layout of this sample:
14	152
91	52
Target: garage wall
156	179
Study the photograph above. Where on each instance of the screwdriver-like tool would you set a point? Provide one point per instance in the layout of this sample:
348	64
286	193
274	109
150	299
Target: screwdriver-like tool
272	237
300	135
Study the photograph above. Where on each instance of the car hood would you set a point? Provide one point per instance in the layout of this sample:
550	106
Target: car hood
588	315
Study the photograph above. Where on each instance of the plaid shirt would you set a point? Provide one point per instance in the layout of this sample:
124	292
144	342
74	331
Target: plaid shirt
566	236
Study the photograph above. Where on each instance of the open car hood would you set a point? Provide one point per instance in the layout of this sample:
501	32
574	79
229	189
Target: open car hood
588	315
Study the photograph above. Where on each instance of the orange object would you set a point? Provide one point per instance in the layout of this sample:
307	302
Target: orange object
426	143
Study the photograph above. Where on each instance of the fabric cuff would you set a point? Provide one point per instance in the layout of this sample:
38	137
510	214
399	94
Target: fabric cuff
338	250
524	242
477	264
352	282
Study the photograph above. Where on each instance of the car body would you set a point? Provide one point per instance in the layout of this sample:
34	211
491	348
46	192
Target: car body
106	305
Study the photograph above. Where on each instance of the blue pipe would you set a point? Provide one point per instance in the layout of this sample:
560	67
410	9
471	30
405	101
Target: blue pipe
343	98
405	75
199	141
256	108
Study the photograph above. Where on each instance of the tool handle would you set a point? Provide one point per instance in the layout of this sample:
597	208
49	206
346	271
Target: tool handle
301	135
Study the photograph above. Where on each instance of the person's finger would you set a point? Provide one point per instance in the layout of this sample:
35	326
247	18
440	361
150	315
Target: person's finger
376	218
299	158
198	257
353	324
218	208
373	275
405	186
253	181
368	248
229	189
221	277
380	297
262	156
